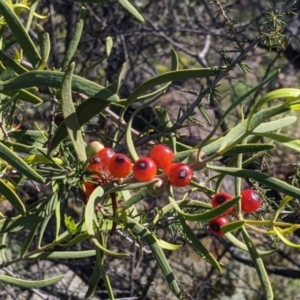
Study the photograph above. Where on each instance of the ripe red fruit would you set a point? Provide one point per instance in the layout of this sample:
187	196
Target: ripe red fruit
95	164
89	187
250	201
214	225
144	169
105	155
163	156
119	165
221	198
180	174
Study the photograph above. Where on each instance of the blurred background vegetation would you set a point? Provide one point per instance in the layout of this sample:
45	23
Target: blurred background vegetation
202	37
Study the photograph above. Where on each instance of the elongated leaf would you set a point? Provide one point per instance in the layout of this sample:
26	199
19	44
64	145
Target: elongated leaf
181	203
89	221
249	148
70	116
24	96
30	284
45	44
168	246
12	197
76	240
10	63
234	105
19	164
287	141
116	85
72	47
275	125
190	238
94	279
20	33
233	226
54	79
108	45
135	198
267	180
236	242
259	266
240	129
169	77
64	254
159	255
207	215
28	240
292	94
131	9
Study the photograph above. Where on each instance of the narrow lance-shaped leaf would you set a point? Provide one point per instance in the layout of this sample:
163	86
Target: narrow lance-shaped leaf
14	160
12	197
159	255
70	116
190	238
20	33
267	180
54	79
73	45
259	266
131	9
30	284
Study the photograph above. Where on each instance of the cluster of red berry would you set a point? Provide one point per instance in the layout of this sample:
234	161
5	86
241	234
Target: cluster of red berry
250	202
107	164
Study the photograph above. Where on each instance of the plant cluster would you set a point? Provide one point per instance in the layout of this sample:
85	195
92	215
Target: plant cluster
113	185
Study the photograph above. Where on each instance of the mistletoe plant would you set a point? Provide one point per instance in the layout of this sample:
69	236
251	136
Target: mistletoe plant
57	157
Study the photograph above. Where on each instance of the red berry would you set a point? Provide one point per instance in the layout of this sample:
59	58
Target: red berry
214	225
89	187
119	165
221	198
144	169
180	174
95	164
105	155
250	201
163	156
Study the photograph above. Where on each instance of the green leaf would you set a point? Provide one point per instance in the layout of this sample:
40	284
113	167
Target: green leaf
24	96
94	279
207	215
12	197
89	221
73	45
20	33
30	284
108	46
267	180
15	161
29	239
54	79
131	9
274	125
236	242
70	116
10	63
168	246
233	226
181	203
249	148
70	224
116	85
170	76
259	266
135	198
292	94
63	254
287	141
190	238
159	255
45	44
